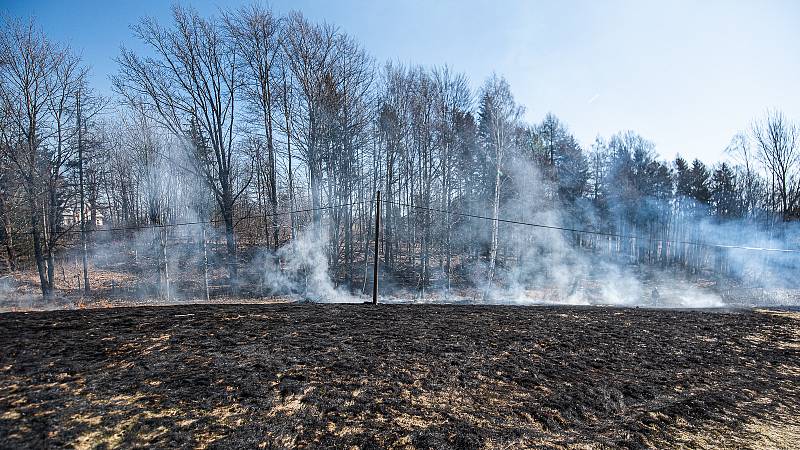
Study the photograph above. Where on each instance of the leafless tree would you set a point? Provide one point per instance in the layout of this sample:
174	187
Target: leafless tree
256	34
30	64
777	141
8	190
500	116
748	174
68	81
190	87
310	55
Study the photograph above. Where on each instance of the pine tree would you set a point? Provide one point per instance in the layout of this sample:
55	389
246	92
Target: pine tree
724	196
699	183
682	178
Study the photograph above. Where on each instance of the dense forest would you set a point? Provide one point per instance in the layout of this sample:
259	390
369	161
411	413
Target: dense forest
249	138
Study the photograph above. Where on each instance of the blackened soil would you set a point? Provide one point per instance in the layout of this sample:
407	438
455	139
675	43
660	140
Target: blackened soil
409	376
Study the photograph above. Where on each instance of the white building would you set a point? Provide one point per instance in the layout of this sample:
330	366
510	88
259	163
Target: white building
72	217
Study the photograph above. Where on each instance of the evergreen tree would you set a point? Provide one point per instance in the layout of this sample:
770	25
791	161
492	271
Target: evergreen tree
699	183
725	200
682	178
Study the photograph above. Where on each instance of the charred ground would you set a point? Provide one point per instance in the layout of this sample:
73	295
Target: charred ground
398	376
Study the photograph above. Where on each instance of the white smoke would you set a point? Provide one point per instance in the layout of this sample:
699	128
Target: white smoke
301	268
547	267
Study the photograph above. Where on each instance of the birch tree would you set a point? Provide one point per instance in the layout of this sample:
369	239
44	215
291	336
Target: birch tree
499	116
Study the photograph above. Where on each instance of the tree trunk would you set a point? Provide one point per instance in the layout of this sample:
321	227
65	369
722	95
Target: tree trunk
165	262
273	183
37	251
230	243
7	236
86	286
205	266
495	229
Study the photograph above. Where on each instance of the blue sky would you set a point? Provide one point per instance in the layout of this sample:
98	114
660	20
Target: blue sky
686	75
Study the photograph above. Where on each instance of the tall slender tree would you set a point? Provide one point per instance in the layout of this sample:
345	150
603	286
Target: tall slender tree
191	83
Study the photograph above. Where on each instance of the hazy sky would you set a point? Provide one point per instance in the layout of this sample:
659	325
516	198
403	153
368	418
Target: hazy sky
686	75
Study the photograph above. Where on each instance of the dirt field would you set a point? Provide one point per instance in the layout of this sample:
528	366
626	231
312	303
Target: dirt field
422	376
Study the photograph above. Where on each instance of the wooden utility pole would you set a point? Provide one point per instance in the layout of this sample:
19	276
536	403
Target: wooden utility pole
377	241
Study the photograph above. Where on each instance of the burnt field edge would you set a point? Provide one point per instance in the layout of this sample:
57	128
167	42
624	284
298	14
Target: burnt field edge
367	306
238	375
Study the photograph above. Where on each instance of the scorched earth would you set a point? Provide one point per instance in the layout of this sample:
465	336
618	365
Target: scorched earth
404	376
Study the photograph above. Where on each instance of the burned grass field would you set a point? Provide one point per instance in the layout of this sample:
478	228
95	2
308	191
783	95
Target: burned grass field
402	376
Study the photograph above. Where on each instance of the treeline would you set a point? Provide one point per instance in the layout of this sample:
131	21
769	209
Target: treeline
271	126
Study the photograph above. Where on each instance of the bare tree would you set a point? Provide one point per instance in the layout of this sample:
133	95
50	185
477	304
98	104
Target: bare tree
310	54
500	115
256	33
292	105
348	122
453	99
777	140
29	64
64	108
189	87
747	177
9	185
286	93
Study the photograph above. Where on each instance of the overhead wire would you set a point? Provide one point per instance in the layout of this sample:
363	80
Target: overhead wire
204	222
594	232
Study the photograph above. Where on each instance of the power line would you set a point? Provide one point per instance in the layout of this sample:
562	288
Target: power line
204	222
473	216
599	233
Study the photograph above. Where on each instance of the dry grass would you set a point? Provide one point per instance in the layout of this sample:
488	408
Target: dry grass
398	376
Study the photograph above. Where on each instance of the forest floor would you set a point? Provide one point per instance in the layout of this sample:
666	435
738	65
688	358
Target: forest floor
399	376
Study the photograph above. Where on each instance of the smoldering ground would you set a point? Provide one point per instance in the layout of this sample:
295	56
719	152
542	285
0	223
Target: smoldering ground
417	376
547	262
542	260
301	268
